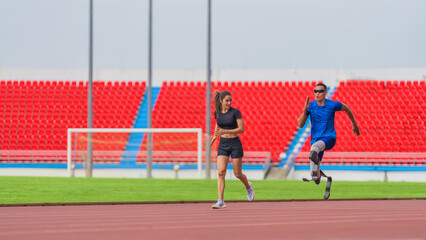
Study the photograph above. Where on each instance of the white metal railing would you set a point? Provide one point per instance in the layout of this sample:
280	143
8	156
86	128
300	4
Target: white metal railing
116	157
33	156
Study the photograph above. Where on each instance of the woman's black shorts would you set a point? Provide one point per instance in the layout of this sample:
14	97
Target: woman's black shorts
230	146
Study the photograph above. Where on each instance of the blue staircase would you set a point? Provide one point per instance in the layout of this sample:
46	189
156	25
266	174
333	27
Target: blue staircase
135	139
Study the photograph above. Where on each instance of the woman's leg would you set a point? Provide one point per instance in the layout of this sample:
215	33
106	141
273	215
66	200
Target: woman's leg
238	172
222	163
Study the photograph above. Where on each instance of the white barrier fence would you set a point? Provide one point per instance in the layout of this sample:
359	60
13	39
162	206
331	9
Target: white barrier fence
120	157
367	158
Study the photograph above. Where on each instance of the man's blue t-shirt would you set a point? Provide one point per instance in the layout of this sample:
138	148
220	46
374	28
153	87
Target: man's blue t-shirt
322	119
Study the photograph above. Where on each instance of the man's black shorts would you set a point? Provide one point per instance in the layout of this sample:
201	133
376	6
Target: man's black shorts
230	146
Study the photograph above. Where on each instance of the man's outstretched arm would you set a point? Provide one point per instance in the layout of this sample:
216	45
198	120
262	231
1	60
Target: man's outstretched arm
348	111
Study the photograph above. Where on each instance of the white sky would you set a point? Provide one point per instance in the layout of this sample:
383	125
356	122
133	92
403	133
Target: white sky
246	33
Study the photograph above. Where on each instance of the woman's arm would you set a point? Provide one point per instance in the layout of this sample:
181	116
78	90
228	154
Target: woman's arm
214	135
302	119
240	129
348	111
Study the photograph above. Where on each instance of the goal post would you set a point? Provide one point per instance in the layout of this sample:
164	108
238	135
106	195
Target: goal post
73	139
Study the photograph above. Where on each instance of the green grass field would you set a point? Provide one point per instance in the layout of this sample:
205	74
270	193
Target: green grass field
54	190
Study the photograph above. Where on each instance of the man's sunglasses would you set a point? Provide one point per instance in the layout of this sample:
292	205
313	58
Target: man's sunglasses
319	91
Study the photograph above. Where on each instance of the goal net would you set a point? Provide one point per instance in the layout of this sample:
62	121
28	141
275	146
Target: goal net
129	149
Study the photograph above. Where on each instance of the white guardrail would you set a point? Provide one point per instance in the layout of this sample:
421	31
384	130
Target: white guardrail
367	158
117	157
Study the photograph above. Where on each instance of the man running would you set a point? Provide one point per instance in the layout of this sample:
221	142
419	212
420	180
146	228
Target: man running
323	134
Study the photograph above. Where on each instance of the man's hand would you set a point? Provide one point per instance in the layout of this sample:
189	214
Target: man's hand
355	129
306	105
302	119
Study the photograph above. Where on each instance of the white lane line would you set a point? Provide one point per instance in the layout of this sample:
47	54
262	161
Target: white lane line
191	225
112	220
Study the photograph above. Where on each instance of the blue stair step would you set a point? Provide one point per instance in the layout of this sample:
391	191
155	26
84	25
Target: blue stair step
135	139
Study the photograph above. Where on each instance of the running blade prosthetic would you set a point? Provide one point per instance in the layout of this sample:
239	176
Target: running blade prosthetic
328	186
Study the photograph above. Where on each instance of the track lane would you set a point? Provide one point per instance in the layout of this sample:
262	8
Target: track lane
390	219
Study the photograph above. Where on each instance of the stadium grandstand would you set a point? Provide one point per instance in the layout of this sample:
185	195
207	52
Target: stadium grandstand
38	113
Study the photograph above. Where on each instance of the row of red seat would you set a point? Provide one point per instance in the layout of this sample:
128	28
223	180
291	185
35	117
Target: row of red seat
239	84
101	84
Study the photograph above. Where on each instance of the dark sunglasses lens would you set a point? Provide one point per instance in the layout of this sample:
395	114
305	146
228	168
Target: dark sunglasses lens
319	91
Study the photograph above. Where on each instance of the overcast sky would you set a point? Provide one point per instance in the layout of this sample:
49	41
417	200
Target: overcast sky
246	33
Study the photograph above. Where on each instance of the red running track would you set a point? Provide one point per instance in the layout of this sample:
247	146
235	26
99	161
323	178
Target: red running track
373	219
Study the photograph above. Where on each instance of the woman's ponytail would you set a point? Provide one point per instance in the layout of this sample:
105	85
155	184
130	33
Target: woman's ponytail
217	103
217	98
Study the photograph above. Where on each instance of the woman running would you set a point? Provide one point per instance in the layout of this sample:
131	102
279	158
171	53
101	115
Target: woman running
323	134
229	123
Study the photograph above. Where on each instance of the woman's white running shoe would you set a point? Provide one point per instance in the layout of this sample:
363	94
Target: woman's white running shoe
250	192
219	204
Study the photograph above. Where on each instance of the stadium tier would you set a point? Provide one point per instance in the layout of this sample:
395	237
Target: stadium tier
269	109
391	118
37	114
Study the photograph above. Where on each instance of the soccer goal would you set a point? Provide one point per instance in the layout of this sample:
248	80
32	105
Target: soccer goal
128	148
